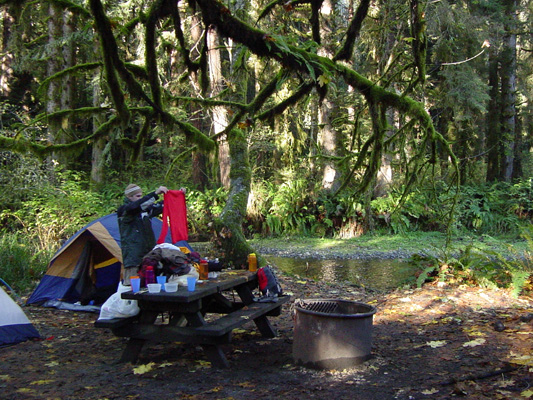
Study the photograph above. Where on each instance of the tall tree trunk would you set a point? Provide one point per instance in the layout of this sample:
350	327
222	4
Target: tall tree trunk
199	159
329	142
384	176
97	159
328	136
228	227
53	102
6	73
493	144
220	120
68	52
60	91
313	136
508	73
461	147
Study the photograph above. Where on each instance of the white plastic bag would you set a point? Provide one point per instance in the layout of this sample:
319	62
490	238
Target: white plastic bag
181	280
116	307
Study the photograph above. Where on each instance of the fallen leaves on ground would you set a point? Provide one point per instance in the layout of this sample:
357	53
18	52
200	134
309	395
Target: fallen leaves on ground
429	343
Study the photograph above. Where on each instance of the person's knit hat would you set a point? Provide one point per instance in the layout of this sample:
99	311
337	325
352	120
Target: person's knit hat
132	189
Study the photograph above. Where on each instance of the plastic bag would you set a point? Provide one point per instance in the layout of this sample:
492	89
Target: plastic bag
181	280
116	307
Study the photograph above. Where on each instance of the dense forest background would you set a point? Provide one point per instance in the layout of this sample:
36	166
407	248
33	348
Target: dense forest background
330	118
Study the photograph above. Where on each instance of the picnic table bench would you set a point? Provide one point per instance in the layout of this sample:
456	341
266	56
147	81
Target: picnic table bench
187	312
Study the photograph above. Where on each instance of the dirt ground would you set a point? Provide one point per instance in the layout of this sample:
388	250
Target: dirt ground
429	343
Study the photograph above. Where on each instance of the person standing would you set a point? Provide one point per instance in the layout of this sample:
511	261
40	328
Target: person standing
134	221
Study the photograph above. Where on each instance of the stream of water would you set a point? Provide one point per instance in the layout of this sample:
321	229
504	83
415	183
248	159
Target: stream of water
373	274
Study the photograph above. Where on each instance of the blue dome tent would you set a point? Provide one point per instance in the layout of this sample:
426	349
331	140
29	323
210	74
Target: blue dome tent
87	267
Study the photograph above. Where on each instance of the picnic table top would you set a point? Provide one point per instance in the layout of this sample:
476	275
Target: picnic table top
226	280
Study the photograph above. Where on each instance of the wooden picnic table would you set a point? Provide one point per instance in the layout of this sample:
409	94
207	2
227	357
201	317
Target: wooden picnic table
206	316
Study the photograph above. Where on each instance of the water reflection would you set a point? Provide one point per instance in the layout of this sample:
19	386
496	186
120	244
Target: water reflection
378	275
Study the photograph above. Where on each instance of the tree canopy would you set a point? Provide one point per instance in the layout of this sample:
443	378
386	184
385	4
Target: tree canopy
359	95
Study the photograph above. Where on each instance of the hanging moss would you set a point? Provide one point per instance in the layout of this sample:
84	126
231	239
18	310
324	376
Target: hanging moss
194	135
23	146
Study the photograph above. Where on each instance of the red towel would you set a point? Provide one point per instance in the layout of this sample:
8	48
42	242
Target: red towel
175	215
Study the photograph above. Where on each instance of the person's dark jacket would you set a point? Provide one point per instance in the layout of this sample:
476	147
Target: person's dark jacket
136	234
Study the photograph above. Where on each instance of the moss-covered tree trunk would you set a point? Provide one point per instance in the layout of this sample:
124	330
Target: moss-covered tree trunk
54	99
229	237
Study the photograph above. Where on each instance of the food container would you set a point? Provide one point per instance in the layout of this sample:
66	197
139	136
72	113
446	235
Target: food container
154	287
171	287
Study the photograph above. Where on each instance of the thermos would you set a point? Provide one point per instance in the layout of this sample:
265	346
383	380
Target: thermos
149	275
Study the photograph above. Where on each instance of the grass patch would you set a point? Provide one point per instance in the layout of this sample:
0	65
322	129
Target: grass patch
411	243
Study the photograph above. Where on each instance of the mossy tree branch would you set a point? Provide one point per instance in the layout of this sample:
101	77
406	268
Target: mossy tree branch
19	144
305	62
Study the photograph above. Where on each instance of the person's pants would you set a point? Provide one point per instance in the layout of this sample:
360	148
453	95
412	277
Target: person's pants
128	273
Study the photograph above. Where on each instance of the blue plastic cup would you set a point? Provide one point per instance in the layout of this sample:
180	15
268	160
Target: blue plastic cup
162	279
191	283
135	284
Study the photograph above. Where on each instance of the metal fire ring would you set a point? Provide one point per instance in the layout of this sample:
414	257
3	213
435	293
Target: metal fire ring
335	308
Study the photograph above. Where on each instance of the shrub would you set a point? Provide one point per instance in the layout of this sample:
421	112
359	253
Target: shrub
202	208
485	268
54	213
488	209
22	264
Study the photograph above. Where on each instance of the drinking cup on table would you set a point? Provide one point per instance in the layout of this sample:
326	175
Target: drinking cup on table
135	283
162	279
191	283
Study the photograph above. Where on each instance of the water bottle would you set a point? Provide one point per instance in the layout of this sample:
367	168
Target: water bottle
252	262
150	275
